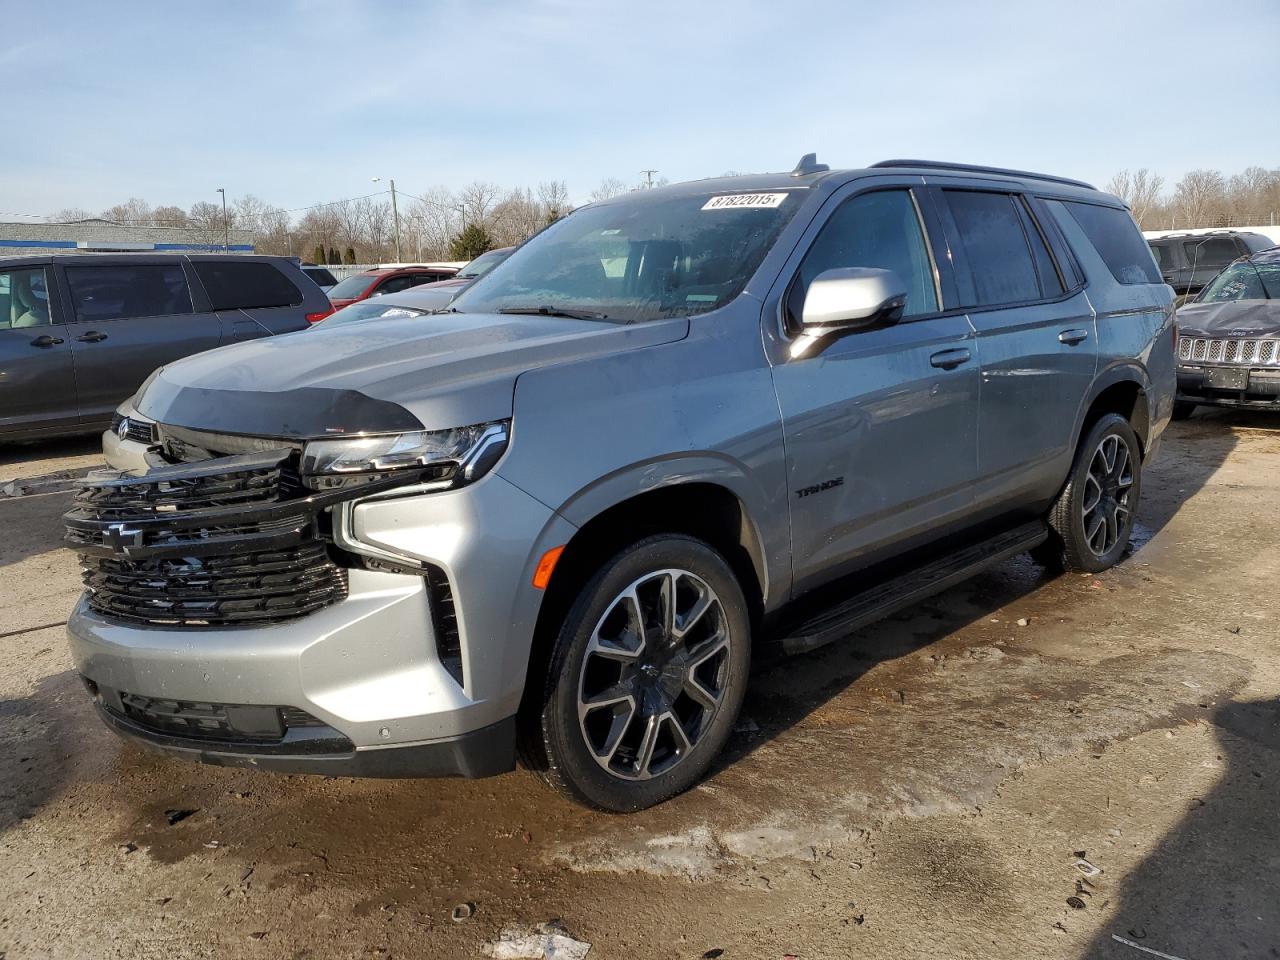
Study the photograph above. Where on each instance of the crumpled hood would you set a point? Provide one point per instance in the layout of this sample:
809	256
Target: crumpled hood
1230	318
383	375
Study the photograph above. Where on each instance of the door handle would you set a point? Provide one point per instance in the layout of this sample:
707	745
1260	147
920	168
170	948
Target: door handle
93	336
1072	337
949	359
44	340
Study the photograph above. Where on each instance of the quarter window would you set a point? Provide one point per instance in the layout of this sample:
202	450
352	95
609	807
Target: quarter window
246	285
882	230
125	291
1116	238
996	247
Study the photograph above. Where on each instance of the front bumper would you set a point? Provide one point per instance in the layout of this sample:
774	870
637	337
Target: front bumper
480	753
369	667
1229	386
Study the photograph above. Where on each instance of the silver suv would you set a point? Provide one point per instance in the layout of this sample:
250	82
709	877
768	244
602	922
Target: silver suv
564	515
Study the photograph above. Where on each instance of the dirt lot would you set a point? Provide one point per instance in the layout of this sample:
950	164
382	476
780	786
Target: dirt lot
923	790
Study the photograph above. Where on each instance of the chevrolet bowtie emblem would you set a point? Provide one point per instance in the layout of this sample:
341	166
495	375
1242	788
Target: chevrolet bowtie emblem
121	538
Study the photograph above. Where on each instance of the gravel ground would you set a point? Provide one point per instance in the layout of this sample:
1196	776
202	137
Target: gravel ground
922	790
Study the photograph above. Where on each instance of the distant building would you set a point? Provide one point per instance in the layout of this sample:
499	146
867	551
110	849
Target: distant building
100	236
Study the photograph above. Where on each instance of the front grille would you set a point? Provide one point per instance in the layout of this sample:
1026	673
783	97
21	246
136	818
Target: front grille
141	431
1229	350
223	542
259	587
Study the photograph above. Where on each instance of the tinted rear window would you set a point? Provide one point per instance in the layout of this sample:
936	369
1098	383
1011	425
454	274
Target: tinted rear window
1215	252
995	245
320	275
1116	238
136	290
246	286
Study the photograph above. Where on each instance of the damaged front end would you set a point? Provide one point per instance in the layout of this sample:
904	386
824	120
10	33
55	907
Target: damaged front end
229	530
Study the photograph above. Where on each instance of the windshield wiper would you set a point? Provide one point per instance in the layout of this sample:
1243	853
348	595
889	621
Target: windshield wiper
546	310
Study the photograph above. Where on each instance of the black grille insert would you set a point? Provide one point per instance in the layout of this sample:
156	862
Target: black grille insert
444	618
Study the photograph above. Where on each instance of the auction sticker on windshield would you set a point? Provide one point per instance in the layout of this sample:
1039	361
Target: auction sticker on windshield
738	201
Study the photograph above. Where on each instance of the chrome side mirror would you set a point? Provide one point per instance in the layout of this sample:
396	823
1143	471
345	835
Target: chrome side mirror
846	300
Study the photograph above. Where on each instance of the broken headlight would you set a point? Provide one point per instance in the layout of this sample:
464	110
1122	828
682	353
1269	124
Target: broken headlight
456	456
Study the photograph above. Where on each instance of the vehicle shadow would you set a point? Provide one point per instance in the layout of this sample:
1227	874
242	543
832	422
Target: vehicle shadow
15	453
1211	887
36	746
1190	455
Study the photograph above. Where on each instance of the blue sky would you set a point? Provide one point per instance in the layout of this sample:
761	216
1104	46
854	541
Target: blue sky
303	102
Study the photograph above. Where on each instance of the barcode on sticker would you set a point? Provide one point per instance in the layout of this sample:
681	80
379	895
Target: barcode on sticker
750	201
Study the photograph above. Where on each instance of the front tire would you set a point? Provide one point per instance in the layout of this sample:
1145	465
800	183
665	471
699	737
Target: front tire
1092	519
646	677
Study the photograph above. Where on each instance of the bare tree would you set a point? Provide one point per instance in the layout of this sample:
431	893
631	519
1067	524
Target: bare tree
1199	198
1141	191
70	215
169	216
205	219
476	201
431	222
133	210
554	195
609	188
516	217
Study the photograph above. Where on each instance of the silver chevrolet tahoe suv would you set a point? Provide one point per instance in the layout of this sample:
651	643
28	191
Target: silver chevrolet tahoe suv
559	519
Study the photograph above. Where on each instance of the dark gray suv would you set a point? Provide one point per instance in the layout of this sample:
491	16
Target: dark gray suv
671	430
79	334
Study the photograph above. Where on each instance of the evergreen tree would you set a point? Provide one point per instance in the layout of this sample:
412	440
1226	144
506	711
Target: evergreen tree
333	256
470	243
349	256
317	255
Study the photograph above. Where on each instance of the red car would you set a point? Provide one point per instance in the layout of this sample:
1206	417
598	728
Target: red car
361	286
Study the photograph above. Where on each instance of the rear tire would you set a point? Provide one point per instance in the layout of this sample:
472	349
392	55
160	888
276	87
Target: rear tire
646	677
1091	521
1183	409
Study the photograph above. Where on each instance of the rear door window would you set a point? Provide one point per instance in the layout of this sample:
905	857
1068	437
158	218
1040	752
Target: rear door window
1116	238
246	285
128	290
995	246
24	299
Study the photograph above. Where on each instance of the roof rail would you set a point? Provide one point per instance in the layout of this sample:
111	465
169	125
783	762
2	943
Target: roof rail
975	168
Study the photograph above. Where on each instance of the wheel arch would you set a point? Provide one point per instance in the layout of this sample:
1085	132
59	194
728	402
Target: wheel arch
609	520
1121	389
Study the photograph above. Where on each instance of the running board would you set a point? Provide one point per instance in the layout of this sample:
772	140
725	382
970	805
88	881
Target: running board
883	599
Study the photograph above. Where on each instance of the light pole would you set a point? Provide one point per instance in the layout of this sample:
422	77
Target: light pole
226	230
395	214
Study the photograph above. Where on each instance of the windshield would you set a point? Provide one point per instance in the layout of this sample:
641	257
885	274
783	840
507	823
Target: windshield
483	264
1244	281
371	309
353	286
642	258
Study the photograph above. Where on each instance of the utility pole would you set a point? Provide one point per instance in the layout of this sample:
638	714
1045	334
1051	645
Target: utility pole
226	229
395	214
648	178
